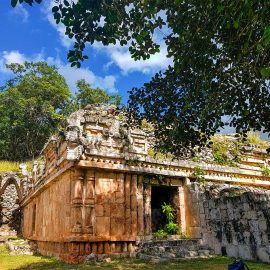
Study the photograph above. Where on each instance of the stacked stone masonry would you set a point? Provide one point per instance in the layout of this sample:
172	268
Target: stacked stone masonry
234	220
10	195
96	191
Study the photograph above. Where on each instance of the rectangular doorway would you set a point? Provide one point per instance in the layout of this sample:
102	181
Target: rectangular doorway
159	195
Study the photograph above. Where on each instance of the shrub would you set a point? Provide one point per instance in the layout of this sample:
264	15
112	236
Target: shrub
198	173
171	227
159	155
160	234
226	151
167	209
196	159
254	138
266	172
219	158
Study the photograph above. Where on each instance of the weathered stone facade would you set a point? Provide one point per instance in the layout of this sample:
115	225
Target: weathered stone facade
10	195
97	189
234	220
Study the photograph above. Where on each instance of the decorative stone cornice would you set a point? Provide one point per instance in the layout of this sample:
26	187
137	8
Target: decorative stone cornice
98	137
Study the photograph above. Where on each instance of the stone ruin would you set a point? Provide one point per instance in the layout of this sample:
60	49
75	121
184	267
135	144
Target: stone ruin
12	190
98	192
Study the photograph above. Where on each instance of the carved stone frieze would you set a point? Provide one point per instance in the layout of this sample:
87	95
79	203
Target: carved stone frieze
73	134
101	129
90	141
74	153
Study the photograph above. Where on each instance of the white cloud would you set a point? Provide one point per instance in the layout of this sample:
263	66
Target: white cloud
120	55
155	63
9	57
60	28
21	13
71	74
13	57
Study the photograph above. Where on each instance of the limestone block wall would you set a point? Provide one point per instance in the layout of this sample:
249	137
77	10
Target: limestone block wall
106	205
9	208
234	220
192	210
47	216
9	204
87	210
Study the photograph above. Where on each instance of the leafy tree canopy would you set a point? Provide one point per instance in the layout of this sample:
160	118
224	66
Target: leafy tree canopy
88	95
30	109
33	104
220	52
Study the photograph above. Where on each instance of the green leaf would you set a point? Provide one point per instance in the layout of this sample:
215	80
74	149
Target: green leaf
236	24
259	47
266	36
123	42
14	3
55	9
265	72
144	34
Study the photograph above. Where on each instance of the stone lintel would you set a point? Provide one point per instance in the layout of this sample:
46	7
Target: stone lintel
210	175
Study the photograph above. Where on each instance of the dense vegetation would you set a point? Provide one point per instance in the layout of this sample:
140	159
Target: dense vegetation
32	105
220	52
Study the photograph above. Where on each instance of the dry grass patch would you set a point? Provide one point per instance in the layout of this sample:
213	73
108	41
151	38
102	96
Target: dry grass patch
9	166
254	138
13	166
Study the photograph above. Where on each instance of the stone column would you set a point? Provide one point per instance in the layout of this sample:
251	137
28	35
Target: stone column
182	210
117	206
103	203
77	201
127	205
147	210
89	199
133	205
191	209
140	221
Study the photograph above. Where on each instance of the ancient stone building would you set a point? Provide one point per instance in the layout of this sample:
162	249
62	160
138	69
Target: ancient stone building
98	191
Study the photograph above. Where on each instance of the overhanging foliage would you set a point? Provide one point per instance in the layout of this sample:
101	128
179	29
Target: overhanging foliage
220	52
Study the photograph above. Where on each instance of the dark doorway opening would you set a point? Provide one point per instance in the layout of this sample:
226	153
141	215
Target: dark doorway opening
159	195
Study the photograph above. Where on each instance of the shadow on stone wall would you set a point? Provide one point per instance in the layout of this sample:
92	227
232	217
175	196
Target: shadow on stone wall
235	220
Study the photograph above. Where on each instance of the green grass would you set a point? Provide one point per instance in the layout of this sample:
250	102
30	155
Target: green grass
11	237
25	262
20	243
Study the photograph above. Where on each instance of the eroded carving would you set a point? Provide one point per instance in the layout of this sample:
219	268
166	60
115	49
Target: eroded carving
99	129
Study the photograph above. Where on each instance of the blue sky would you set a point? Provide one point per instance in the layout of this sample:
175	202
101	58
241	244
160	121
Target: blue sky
30	34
